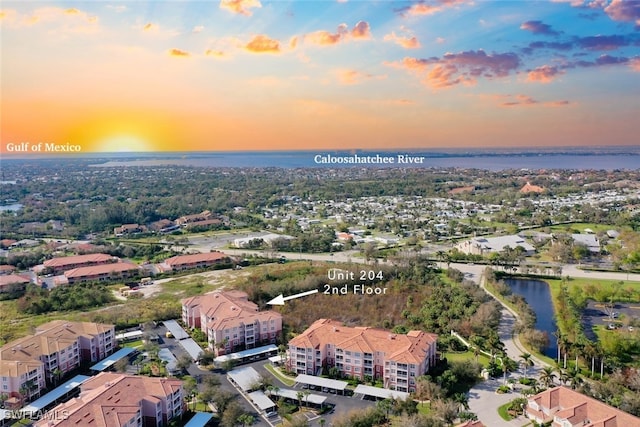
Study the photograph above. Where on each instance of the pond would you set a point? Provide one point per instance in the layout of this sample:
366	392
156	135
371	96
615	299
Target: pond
538	296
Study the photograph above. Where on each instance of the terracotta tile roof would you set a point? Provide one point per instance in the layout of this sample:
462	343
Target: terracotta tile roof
530	188
50	337
95	270
78	259
411	348
6	268
56	327
580	409
229	309
10	279
111	399
195	258
14	368
33	347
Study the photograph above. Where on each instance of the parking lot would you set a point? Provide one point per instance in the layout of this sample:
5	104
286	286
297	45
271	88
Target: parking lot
340	404
615	316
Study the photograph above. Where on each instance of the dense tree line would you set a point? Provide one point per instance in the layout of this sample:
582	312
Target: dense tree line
95	199
64	298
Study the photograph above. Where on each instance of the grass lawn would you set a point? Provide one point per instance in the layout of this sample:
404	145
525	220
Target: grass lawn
425	408
502	411
134	344
466	355
279	375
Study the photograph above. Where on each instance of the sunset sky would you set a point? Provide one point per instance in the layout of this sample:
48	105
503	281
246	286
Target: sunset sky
257	75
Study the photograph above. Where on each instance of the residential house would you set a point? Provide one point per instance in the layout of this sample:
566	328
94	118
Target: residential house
564	407
231	321
362	352
129	229
119	400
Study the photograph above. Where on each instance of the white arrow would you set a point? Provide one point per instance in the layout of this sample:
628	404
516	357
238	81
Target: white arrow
279	300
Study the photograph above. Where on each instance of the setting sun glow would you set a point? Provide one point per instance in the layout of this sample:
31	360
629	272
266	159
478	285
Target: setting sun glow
122	144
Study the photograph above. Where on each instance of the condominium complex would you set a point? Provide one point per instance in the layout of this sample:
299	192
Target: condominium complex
192	261
231	321
57	347
361	351
61	264
564	407
119	400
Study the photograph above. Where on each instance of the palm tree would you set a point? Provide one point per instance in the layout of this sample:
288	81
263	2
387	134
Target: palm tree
574	378
526	362
246	419
299	396
547	377
57	374
462	399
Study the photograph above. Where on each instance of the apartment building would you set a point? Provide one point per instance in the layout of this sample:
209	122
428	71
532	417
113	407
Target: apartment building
20	378
363	352
231	321
62	264
564	407
102	273
95	340
56	348
120	400
193	261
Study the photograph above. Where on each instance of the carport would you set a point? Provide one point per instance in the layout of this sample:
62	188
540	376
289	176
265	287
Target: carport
245	378
176	330
292	395
111	360
54	395
262	402
322	382
248	355
381	393
200	419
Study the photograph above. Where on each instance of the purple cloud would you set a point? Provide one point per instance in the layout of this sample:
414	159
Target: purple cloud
538	27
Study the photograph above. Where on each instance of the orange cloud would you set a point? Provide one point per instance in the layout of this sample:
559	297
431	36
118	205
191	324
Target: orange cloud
293	42
214	53
634	63
178	53
361	30
405	42
325	38
71	20
423	9
240	6
524	101
263	44
544	74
